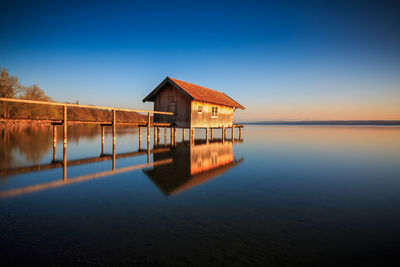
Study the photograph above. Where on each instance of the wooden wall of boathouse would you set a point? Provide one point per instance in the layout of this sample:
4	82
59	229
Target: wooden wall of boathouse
171	99
204	119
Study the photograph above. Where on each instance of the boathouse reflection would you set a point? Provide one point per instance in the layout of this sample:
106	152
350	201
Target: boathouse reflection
174	168
192	165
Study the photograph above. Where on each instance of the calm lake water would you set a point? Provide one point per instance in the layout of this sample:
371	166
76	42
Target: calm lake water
285	196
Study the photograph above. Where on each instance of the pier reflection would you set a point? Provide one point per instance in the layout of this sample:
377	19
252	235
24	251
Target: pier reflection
175	168
192	165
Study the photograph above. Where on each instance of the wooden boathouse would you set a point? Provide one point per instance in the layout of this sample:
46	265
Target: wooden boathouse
193	106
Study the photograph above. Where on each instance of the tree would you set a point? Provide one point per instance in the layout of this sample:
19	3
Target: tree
9	88
35	110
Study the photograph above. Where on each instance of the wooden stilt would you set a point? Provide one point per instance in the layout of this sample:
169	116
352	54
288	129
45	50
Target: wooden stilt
54	133
154	135
148	131
140	138
233	133
212	133
223	133
65	125
148	155
171	136
113	157
158	135
102	140
207	135
183	134
165	136
65	162
192	135
240	133
174	136
114	125
54	142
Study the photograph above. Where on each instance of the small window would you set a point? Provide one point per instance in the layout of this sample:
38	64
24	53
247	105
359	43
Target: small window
214	113
200	109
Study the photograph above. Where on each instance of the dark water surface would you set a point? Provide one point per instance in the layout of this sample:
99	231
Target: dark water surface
285	196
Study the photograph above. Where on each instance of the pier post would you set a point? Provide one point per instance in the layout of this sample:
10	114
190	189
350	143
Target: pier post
65	125
113	157
102	139
183	135
114	137
148	130
148	154
171	135
158	135
174	136
207	135
212	133
233	133
165	136
240	133
65	162
140	138
192	137
65	143
154	134
223	133
54	142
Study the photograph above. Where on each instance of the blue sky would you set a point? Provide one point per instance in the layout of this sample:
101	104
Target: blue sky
287	60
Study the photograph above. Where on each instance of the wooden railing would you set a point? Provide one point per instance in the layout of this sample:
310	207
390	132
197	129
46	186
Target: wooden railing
80	106
65	121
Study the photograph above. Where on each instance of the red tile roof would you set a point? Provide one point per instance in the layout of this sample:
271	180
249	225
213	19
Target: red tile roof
198	93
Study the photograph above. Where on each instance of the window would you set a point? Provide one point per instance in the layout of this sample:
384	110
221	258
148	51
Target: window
200	109
214	113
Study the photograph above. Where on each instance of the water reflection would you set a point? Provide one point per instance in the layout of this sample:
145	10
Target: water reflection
174	168
23	145
192	165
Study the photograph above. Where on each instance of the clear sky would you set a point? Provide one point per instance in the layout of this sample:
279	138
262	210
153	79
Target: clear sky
290	60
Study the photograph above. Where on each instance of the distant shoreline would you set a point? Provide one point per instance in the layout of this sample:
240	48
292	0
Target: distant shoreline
344	123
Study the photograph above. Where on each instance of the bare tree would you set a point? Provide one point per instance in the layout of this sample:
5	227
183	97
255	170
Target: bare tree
9	88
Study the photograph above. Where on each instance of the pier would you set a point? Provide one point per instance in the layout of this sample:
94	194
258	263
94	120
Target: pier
157	127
